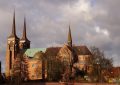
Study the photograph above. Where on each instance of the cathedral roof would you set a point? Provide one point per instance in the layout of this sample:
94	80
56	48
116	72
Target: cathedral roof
52	51
82	50
33	51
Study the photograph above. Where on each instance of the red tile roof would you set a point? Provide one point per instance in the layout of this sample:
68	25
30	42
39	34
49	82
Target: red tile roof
113	72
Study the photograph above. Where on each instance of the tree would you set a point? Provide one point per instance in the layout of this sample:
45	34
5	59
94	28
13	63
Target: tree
55	69
16	71
19	69
41	65
99	62
24	69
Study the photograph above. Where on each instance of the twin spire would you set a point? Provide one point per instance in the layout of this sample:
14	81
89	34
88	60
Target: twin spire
13	34
14	27
24	36
24	30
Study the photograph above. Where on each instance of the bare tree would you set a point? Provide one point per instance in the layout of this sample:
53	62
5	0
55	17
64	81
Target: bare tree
19	70
24	69
99	62
16	71
55	69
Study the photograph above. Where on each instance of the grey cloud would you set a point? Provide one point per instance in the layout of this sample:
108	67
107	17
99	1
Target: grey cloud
48	20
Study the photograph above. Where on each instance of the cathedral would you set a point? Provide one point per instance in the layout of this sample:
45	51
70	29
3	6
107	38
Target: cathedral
34	61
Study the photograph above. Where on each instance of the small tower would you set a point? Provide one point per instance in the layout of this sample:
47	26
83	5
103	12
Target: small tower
69	37
24	42
12	49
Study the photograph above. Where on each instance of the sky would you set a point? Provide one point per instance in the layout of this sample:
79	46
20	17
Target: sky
93	23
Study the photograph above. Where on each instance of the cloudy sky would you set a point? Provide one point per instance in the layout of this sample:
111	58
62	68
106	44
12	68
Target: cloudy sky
93	23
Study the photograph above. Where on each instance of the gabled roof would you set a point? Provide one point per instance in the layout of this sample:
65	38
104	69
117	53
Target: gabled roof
52	51
31	52
82	50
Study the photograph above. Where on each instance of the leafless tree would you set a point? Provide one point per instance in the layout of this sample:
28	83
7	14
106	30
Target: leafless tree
99	62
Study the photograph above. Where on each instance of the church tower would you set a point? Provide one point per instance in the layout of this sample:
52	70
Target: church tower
12	49
69	38
24	42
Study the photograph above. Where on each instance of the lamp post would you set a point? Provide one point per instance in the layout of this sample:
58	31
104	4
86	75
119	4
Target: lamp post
98	69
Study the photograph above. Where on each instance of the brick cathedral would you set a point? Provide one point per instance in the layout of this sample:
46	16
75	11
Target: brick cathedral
34	60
